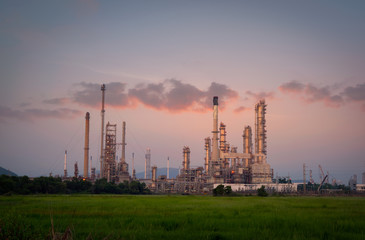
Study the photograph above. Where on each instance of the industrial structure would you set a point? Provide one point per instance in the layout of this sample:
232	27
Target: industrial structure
223	163
65	166
109	168
86	148
147	164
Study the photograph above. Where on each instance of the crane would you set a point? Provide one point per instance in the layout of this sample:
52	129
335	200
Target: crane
320	185
322	173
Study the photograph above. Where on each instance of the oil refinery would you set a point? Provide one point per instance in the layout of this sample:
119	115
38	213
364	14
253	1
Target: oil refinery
223	164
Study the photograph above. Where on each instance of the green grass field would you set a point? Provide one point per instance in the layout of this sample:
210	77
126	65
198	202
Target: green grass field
183	217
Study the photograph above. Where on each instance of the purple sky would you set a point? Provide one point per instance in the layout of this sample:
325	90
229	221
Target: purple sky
162	62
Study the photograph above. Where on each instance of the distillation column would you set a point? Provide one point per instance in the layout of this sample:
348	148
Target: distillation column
147	164
247	144
123	173
260	123
222	137
102	132
207	155
186	161
86	148
123	144
247	140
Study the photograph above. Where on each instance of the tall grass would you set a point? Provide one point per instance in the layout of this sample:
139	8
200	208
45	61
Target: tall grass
182	217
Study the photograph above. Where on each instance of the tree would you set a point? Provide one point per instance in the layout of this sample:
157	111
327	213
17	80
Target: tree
228	190
262	192
219	190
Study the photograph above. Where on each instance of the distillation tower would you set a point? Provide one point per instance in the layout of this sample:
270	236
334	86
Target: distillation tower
224	164
147	164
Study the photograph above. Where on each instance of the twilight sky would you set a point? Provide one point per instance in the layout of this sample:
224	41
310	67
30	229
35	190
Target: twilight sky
163	61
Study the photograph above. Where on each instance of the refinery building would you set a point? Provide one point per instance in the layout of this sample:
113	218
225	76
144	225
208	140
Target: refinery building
223	164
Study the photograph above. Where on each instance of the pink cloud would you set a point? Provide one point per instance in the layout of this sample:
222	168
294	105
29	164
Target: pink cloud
37	113
310	93
261	95
241	109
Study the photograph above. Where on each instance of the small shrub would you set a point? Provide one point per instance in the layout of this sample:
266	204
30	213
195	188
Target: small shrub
262	192
219	190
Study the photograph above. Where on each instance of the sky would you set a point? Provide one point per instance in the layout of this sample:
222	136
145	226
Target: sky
163	61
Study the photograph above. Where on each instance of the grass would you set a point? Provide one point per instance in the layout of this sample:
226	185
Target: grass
182	217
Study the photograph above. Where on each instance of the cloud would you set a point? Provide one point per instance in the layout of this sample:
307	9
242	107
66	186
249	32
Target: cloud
35	113
171	95
57	101
356	93
174	95
90	95
292	87
241	109
222	91
310	93
261	95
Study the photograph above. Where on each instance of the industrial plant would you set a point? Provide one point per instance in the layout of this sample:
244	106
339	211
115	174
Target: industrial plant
223	163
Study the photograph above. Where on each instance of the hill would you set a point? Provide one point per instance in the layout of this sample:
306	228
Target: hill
3	171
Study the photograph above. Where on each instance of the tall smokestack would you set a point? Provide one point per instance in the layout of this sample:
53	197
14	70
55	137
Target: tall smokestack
86	148
123	144
102	131
215	149
65	166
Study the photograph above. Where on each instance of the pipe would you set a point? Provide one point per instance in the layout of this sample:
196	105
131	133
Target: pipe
86	148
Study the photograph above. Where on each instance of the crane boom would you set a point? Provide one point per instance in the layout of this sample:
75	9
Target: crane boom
324	179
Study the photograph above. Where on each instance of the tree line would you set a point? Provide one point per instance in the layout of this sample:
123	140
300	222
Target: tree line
51	185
